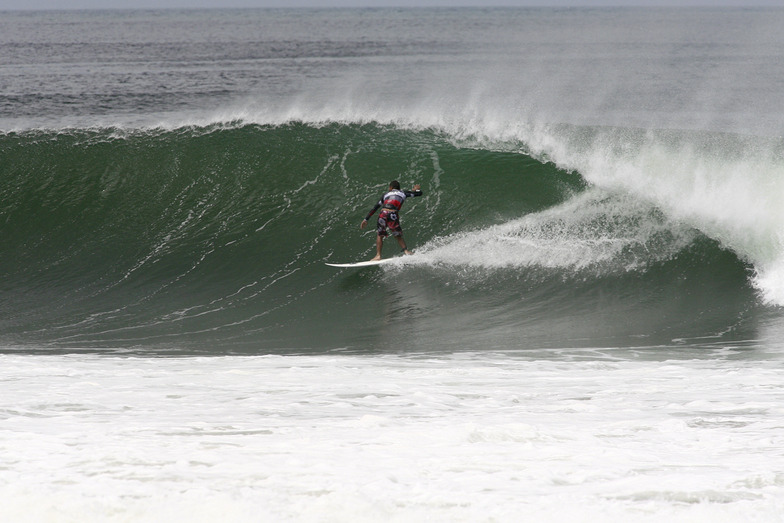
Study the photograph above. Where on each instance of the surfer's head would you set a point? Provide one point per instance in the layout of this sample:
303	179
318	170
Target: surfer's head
394	184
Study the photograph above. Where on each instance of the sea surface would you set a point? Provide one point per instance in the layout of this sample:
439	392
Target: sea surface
591	328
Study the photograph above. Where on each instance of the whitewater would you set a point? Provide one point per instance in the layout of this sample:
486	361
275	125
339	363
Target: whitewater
590	328
470	437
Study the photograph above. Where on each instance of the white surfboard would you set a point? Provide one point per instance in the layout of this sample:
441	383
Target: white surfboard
369	263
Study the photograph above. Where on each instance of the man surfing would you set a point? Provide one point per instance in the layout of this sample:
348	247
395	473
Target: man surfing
390	204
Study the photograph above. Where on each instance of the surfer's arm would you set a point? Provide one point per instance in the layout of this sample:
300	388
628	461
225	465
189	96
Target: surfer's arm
416	192
371	213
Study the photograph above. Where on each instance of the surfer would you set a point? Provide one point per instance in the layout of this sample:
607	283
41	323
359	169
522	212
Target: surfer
390	204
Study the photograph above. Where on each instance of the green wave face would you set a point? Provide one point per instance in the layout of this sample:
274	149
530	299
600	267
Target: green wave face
213	239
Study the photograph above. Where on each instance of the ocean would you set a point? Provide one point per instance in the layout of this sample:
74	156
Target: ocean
591	328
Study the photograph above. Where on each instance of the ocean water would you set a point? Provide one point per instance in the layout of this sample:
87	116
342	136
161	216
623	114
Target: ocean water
591	327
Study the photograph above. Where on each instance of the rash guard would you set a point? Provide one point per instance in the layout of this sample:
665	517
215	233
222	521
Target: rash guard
392	200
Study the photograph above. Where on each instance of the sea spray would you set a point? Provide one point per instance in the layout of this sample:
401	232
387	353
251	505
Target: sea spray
595	231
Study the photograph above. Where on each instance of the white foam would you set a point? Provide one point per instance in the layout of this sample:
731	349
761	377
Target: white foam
465	437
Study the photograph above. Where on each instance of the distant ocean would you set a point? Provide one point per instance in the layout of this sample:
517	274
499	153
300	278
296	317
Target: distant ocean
591	328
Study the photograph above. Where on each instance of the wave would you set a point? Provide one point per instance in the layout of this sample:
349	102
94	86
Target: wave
214	236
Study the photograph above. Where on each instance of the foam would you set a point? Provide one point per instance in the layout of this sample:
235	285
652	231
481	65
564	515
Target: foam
464	437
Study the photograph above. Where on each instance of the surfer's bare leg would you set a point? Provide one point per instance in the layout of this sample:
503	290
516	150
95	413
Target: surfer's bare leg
402	244
379	245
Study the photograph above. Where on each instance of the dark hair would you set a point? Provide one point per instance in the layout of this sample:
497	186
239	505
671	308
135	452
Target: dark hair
395	184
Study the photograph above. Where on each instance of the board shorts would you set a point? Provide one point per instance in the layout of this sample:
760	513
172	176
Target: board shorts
388	218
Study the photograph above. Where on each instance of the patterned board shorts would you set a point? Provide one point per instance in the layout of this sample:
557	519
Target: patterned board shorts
388	218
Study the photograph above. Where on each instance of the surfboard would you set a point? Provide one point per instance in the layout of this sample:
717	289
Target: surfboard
369	263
